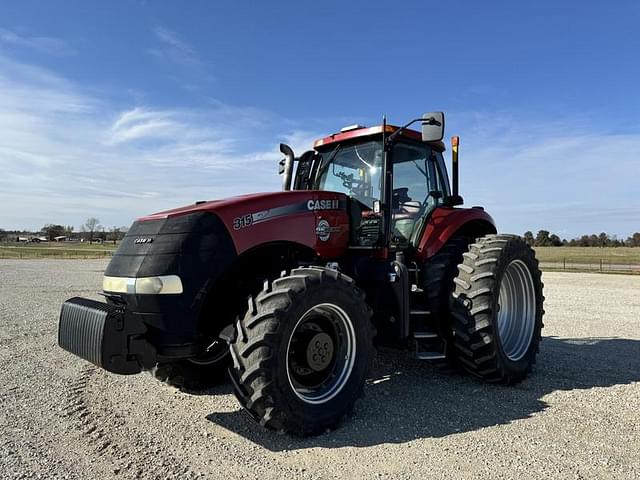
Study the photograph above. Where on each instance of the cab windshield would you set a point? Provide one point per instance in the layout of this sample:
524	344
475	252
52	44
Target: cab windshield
355	170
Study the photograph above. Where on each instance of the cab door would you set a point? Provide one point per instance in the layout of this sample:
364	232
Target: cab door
419	186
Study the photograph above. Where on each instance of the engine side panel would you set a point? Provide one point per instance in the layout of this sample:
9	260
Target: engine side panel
316	219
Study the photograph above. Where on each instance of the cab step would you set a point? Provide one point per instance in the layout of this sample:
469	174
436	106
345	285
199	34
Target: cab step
429	345
423	335
430	356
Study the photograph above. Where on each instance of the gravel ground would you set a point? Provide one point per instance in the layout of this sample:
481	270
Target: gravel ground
577	416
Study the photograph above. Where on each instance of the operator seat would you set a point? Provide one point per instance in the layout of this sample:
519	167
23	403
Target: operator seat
405	218
405	214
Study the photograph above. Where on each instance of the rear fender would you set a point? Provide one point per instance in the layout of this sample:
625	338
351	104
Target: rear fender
446	222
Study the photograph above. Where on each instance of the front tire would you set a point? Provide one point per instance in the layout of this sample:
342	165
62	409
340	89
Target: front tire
206	370
497	309
302	351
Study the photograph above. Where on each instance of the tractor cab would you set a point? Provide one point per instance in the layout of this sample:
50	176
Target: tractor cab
395	177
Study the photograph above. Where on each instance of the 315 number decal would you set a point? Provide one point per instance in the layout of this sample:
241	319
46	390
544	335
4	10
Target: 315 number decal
243	221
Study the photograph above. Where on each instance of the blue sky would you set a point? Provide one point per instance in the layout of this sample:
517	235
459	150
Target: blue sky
118	109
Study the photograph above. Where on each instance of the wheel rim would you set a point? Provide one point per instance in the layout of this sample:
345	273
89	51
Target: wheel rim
516	310
321	353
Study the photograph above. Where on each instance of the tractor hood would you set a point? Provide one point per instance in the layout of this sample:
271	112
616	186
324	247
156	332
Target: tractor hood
260	218
223	204
199	242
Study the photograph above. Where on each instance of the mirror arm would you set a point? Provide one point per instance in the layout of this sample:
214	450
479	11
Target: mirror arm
425	121
390	138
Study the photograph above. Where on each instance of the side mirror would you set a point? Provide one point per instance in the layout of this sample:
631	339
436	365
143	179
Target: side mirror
432	127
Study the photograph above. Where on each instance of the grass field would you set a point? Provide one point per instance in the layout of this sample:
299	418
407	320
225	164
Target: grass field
610	255
56	250
563	258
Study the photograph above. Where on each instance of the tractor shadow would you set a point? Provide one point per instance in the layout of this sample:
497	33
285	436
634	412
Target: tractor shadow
406	399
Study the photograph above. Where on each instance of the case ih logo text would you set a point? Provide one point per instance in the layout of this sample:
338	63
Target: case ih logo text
144	240
333	204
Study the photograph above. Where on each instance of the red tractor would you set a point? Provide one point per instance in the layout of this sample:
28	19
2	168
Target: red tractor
289	291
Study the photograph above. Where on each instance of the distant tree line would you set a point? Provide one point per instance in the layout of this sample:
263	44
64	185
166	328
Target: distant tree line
90	231
546	239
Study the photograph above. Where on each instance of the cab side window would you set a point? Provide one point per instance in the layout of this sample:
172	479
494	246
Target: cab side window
417	187
409	182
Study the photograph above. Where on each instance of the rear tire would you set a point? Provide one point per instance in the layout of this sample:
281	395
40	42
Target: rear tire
438	286
497	308
302	351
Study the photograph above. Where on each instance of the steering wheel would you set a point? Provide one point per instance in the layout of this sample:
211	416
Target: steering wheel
402	193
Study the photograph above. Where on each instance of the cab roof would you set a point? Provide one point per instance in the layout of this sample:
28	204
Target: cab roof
361	132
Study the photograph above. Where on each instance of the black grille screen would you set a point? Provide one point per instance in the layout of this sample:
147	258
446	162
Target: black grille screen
81	328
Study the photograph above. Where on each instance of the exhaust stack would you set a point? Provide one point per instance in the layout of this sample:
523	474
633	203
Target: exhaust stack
286	166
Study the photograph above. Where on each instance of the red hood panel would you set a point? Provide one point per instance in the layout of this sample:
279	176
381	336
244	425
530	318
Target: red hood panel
292	216
215	205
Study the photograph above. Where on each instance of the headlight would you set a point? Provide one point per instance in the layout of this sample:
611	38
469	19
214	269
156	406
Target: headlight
165	284
116	284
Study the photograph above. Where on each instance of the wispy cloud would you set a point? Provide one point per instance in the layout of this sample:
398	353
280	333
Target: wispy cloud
563	175
140	124
173	48
48	45
66	154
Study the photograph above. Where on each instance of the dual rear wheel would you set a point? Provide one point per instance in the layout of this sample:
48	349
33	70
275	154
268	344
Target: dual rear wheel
497	309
